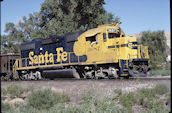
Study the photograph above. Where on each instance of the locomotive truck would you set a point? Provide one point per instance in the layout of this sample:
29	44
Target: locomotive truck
102	52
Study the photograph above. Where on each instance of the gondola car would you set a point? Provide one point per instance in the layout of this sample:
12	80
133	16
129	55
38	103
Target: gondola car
7	61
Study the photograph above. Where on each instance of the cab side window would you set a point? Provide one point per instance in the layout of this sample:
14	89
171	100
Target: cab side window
92	39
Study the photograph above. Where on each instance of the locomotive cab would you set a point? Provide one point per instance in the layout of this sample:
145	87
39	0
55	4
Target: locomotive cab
108	44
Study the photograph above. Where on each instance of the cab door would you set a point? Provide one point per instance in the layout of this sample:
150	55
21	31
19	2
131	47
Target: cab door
93	48
110	48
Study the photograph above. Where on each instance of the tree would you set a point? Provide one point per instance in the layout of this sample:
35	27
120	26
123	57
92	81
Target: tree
56	17
156	43
63	16
10	43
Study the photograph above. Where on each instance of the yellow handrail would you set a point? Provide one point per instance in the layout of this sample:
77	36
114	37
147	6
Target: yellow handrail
138	51
142	51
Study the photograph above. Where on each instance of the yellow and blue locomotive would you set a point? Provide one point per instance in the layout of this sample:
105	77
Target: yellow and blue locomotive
102	52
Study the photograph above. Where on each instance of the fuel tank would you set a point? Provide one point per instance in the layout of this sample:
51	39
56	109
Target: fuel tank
62	73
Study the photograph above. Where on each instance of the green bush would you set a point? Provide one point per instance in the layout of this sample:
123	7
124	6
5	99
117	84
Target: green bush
30	88
3	91
45	98
145	97
161	89
61	98
88	96
92	104
148	92
161	72
46	101
149	97
127	100
168	66
24	109
15	91
156	110
5	107
108	106
156	43
118	92
168	96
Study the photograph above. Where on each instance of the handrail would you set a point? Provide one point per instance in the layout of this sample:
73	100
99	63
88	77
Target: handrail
142	51
138	51
14	67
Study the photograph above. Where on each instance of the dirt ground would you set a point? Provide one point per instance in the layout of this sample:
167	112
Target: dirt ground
76	88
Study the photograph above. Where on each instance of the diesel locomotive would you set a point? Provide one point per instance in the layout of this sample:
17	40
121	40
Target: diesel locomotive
102	52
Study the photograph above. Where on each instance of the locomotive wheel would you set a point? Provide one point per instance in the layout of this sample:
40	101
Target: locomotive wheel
139	71
20	75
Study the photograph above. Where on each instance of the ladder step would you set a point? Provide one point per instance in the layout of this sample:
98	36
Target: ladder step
125	69
124	75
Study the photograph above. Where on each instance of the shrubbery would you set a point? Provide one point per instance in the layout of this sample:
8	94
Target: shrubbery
91	104
147	98
5	107
156	43
127	100
161	72
161	89
47	101
13	90
44	99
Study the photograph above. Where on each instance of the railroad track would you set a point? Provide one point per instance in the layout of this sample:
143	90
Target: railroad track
153	78
131	78
83	79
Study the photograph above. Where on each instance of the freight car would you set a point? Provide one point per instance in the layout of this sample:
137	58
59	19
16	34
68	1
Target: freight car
7	61
102	52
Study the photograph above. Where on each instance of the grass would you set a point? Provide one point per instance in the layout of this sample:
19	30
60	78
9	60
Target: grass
147	98
91	104
44	99
161	72
49	104
168	96
5	107
47	101
118	92
14	91
3	91
161	89
164	69
127	100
